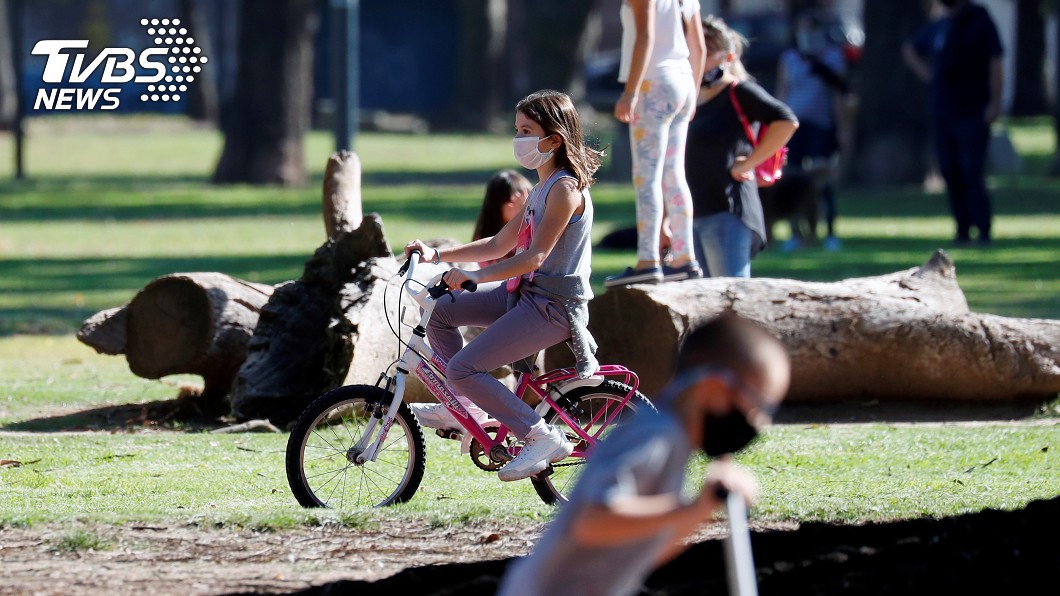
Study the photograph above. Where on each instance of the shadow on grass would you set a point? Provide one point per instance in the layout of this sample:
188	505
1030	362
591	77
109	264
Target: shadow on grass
188	413
73	279
986	552
123	198
931	411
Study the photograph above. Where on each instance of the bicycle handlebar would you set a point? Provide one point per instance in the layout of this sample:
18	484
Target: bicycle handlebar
443	288
405	266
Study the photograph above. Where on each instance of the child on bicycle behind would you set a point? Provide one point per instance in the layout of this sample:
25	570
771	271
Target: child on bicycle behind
529	301
630	511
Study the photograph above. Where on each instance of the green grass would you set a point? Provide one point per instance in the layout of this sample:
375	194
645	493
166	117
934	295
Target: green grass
821	473
112	204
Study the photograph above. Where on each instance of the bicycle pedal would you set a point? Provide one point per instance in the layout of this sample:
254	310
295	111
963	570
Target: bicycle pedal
449	434
545	473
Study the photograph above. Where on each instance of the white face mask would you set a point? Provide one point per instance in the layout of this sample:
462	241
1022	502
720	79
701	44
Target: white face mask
527	153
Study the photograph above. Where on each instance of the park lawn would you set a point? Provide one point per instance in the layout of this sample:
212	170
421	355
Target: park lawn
106	213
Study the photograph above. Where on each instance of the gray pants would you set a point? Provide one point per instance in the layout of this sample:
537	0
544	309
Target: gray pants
533	324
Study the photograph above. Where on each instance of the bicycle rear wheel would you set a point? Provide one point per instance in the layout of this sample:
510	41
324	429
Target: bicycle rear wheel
322	451
588	402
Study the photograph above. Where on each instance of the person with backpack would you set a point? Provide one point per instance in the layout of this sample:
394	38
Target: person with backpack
720	159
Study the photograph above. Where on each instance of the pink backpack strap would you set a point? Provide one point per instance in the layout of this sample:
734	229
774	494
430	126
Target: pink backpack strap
739	113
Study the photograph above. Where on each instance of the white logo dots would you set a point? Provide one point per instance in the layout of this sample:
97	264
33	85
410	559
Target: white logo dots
184	57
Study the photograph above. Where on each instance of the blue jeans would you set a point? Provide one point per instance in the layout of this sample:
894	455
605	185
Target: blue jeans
723	245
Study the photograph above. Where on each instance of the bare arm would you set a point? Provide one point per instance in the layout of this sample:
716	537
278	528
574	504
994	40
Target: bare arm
778	134
997	79
644	20
916	63
637	517
563	200
697	48
483	249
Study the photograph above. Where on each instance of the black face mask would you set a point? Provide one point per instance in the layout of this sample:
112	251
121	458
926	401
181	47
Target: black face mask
728	433
712	76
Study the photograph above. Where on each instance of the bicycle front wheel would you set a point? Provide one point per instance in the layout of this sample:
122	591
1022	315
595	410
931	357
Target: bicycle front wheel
322	452
593	406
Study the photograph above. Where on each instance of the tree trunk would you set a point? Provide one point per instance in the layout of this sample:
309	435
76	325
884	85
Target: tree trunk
266	124
202	96
481	86
904	336
891	142
312	329
1029	96
7	69
550	33
1054	168
342	194
198	323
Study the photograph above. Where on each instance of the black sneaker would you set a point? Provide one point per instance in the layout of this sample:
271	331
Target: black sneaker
648	275
689	270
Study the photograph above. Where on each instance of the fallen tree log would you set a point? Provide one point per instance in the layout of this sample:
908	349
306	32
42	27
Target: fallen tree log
904	336
197	323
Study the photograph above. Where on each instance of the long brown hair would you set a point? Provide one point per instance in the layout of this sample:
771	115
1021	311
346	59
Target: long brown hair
499	190
555	112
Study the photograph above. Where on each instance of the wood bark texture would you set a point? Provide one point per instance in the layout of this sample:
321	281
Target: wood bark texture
268	117
198	323
313	330
342	193
904	336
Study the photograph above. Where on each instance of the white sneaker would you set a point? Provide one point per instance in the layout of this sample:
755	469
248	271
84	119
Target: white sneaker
440	417
542	446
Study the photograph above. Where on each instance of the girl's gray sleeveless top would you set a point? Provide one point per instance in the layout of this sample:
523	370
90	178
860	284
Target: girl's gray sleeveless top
564	275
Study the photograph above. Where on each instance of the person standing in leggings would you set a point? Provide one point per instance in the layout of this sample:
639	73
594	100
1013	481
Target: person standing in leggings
529	301
662	61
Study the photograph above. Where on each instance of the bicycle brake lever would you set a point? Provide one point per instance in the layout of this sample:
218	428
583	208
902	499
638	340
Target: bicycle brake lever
441	290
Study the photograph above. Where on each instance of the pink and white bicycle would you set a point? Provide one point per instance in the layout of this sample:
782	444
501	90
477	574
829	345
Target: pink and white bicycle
362	446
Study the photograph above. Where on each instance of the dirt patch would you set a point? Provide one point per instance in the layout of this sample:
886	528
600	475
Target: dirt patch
139	559
990	551
987	552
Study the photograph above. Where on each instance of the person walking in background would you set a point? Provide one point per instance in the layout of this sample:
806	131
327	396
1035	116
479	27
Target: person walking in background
960	55
728	220
811	81
506	194
629	512
662	58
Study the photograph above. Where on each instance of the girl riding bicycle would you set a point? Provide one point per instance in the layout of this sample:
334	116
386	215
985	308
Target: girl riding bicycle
530	301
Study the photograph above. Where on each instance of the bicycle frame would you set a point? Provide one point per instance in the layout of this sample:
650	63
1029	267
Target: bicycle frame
419	359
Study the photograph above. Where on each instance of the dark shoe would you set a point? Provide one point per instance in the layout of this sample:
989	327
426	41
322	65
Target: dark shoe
648	275
689	270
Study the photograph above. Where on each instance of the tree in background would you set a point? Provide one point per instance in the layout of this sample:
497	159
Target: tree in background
7	70
266	122
891	137
1029	97
202	96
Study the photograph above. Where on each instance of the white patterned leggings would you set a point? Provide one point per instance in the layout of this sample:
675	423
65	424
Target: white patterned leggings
657	137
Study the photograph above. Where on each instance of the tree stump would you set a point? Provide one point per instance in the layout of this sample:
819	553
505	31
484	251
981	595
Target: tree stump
311	330
342	193
198	323
904	336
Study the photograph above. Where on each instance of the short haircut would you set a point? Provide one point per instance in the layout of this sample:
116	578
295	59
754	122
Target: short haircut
727	340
